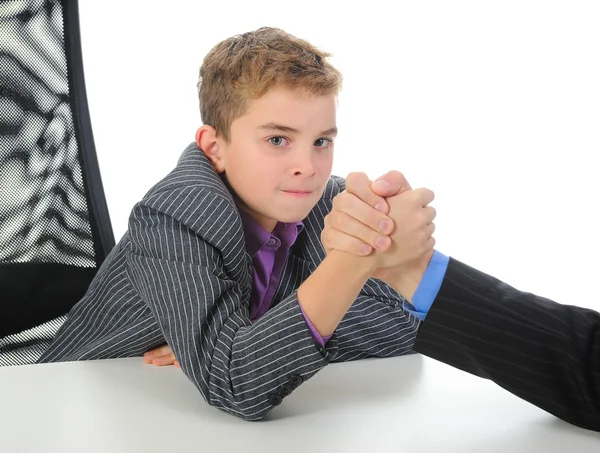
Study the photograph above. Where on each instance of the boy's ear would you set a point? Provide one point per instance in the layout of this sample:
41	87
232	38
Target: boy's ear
207	141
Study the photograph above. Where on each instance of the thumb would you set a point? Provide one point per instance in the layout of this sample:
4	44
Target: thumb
392	183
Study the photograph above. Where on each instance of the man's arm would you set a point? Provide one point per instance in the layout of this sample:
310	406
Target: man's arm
542	351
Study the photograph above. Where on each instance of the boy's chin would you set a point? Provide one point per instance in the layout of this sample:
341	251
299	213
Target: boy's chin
293	217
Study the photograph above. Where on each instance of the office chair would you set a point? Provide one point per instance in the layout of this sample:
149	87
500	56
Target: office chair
55	230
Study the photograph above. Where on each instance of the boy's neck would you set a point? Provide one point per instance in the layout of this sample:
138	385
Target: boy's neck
244	211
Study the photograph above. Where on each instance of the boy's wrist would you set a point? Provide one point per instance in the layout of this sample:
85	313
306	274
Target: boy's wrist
360	266
327	294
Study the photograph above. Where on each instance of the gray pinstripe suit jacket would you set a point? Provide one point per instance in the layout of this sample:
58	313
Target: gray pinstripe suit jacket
181	275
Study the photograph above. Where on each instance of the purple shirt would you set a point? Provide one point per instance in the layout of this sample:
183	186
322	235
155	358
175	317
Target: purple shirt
269	252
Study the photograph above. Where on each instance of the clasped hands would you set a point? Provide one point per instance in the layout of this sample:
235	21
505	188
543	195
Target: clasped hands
387	222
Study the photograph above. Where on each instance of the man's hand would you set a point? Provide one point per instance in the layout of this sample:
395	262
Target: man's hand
411	237
161	356
358	222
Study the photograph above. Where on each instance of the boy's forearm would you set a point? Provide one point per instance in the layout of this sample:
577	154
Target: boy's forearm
331	289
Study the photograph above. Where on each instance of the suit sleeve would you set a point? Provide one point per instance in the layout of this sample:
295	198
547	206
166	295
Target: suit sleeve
542	351
187	267
376	325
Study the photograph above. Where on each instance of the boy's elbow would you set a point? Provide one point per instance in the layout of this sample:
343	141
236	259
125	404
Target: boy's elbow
248	405
247	409
254	416
247	413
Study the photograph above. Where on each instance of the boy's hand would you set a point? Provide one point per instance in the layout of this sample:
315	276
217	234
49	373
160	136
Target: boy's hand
357	223
161	356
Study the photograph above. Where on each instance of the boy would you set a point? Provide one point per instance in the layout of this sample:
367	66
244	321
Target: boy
222	259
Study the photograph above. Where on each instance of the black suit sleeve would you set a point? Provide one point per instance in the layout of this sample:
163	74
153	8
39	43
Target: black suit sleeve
537	349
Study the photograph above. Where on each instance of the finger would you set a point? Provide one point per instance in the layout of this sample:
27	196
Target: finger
430	229
354	207
429	214
425	196
430	243
176	363
340	222
392	183
164	360
427	247
157	352
359	185
337	240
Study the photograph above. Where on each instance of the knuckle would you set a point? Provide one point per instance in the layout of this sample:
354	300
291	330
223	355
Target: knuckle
355	247
358	249
371	238
423	194
336	200
357	182
415	196
373	218
353	178
336	220
341	201
370	198
373	200
397	176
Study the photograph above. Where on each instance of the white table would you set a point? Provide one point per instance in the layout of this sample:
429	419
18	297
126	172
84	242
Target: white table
405	404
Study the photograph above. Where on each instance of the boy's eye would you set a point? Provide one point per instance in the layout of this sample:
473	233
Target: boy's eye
277	141
323	142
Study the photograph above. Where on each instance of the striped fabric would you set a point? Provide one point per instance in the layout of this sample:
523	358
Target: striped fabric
181	275
541	351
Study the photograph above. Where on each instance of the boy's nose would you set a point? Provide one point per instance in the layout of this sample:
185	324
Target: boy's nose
304	164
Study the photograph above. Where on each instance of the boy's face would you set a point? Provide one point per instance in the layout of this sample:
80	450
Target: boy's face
280	154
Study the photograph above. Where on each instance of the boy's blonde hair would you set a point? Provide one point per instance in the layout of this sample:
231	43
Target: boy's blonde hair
245	67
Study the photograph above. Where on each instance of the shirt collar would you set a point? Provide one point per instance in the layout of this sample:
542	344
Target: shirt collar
257	237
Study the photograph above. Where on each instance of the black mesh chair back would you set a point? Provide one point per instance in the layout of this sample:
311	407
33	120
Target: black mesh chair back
54	226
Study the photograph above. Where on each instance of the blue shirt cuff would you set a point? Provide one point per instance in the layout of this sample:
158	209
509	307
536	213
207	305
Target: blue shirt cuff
429	286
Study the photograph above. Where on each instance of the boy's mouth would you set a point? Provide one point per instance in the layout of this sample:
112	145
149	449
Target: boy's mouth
298	193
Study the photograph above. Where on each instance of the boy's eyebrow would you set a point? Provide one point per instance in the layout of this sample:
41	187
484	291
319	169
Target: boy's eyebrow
282	128
332	131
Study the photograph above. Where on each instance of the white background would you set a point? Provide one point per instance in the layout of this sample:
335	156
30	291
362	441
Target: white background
495	105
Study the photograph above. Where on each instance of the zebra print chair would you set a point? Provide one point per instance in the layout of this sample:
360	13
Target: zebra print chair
55	229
